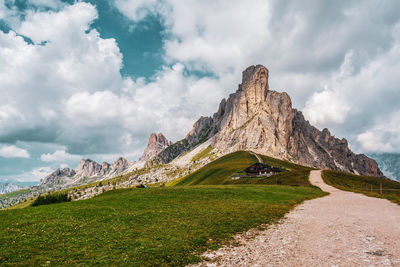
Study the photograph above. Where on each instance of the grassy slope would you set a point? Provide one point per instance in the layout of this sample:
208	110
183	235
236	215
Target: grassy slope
221	170
362	184
21	205
202	154
141	227
294	174
15	193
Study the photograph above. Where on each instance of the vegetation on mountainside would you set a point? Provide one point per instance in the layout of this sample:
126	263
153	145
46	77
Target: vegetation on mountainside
202	154
141	227
22	204
292	178
221	171
283	164
218	171
366	185
15	193
51	198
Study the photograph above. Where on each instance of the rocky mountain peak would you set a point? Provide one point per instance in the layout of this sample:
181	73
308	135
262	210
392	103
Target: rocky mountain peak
105	168
255	76
258	119
157	143
119	165
88	168
51	178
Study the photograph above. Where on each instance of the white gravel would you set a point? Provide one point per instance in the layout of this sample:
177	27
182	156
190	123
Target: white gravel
342	229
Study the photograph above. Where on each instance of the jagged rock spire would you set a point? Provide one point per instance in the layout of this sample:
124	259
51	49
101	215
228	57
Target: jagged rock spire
157	143
258	119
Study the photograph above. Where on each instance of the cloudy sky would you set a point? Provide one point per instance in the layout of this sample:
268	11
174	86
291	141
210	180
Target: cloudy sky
95	78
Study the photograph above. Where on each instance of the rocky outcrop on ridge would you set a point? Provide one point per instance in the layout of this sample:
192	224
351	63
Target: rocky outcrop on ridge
261	120
55	177
88	168
157	143
119	166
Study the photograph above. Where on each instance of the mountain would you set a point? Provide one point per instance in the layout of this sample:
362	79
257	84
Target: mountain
57	177
389	164
9	187
90	168
87	168
258	119
157	143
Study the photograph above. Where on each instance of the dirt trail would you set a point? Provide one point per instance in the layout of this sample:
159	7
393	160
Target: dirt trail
342	229
258	157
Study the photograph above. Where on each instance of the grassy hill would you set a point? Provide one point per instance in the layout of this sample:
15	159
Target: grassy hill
367	185
220	172
141	227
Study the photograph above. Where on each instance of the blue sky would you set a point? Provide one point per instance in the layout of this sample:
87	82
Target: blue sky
95	78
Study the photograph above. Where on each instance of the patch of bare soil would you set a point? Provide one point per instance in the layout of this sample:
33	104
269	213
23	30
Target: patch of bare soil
342	229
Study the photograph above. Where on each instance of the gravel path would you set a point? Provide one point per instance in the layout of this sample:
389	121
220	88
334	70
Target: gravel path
257	156
342	229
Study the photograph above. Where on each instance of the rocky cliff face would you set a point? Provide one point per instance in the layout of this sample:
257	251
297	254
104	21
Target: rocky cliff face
119	166
258	119
88	168
55	177
157	143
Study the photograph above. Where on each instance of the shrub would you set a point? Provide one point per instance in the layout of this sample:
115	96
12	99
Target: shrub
51	198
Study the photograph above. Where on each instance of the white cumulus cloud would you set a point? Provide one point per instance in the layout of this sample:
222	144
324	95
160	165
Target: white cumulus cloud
58	155
11	151
326	108
38	173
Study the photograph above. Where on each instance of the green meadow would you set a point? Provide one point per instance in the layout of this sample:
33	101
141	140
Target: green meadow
157	226
370	186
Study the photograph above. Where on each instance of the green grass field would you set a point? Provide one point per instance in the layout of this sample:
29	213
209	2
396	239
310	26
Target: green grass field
367	185
141	227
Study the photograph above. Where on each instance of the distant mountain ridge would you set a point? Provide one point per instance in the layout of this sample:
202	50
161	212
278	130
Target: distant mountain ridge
258	119
89	170
9	187
389	164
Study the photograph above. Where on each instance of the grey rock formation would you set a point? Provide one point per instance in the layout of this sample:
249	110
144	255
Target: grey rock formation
105	168
258	119
157	143
119	166
88	168
201	131
56	177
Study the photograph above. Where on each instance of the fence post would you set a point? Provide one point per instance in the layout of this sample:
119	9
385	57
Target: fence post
381	188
